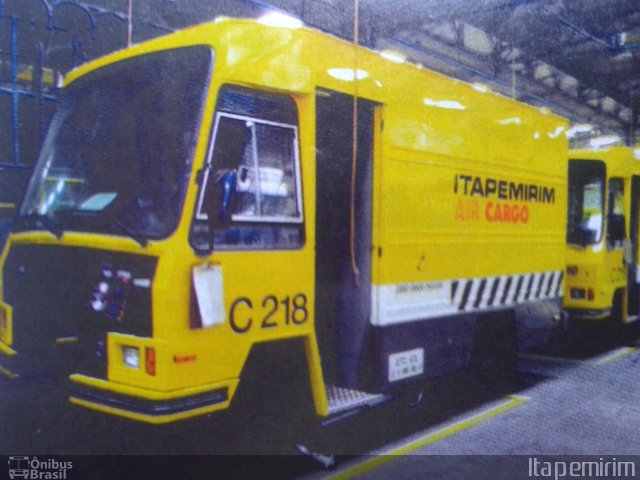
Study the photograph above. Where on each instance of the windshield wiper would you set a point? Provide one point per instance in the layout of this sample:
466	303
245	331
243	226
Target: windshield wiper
138	237
52	226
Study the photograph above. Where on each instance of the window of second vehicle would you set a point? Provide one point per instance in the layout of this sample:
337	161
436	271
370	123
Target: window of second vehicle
586	202
616	231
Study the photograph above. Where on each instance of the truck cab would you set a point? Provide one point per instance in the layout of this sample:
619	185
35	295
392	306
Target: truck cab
602	277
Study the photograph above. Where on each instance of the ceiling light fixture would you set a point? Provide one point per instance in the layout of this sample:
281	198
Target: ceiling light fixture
278	19
579	128
604	140
395	57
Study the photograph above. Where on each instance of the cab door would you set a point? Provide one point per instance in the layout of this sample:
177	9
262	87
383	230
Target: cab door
253	279
633	271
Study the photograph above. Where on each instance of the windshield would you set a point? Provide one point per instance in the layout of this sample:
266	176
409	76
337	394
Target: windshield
118	151
586	202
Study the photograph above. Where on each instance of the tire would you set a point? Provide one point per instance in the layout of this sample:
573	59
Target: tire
494	353
616	328
273	401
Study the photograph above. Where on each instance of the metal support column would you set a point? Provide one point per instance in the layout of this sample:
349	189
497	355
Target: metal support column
75	54
15	104
38	89
634	121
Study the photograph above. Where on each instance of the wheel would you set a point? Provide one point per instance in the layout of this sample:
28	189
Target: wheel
494	354
616	328
273	402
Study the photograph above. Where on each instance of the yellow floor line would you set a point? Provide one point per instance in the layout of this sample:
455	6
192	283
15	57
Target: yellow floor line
617	355
512	402
6	350
8	373
550	359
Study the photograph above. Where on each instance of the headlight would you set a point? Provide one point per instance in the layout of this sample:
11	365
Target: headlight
131	357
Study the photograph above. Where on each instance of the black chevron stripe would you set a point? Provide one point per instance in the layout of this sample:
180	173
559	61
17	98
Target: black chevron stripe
505	294
494	290
527	295
483	284
559	287
550	282
518	288
465	295
540	283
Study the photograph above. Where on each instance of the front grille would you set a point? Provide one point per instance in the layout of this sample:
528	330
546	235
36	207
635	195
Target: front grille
50	289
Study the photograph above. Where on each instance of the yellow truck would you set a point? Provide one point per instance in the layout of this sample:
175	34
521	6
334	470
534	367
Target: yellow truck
237	187
602	280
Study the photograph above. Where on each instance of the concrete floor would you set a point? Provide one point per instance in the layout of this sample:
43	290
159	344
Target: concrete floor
588	405
563	401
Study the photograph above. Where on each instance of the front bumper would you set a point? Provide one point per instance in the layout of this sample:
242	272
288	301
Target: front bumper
149	406
588	315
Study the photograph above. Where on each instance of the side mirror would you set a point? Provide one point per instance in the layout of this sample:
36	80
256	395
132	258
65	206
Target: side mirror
200	239
627	255
200	175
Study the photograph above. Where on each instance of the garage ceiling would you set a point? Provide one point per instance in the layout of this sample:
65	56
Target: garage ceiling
580	58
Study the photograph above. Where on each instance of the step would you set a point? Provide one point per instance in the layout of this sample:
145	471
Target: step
342	399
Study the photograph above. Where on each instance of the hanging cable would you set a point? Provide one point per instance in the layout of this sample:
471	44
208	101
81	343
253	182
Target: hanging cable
129	24
354	153
513	73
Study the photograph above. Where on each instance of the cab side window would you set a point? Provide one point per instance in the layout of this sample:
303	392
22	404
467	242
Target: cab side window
616	231
251	192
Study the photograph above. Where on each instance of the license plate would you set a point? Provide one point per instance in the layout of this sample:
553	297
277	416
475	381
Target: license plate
406	364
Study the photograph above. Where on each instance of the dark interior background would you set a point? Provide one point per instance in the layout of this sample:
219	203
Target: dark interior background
578	58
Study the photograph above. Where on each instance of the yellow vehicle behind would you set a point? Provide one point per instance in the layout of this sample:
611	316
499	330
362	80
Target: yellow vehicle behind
209	194
603	281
